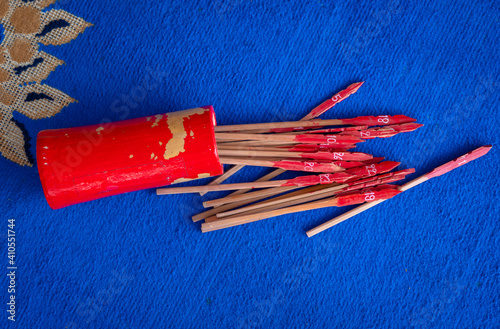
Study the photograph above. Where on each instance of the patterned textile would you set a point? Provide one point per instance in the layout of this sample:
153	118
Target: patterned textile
23	67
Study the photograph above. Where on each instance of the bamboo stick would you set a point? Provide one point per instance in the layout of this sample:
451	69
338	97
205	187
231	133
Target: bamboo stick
335	99
265	178
306	196
250	148
304	139
246	196
358	121
283	202
360	209
447	167
237	196
278	125
320	155
224	176
288	165
224	187
230	222
254	143
341	200
220	209
228	206
286	148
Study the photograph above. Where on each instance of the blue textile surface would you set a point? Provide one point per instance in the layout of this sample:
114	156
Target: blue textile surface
428	258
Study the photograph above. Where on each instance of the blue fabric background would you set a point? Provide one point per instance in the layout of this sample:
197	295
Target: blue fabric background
427	259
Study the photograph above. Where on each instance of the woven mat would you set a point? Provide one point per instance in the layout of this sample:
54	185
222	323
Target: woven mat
23	67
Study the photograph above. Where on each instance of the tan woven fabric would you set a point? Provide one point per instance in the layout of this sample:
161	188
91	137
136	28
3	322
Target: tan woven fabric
23	67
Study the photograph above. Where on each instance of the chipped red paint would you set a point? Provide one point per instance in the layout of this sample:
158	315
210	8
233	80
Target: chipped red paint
87	163
479	152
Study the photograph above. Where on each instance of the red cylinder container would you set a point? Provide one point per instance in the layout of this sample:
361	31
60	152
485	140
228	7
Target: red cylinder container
91	162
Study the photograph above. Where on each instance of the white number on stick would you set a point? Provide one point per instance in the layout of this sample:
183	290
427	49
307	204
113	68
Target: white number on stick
309	166
331	139
324	178
370	196
365	134
461	160
371	170
383	119
338	156
336	98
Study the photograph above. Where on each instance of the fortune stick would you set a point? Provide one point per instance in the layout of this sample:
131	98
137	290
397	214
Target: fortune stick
319	155
326	130
288	194
224	176
304	148
339	177
331	102
383	132
246	200
235	201
252	195
366	133
315	136
307	192
312	166
447	167
311	197
380	120
386	131
297	139
369	171
300	191
379	168
381	192
307	196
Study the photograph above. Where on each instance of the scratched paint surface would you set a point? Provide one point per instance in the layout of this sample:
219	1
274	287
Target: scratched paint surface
86	163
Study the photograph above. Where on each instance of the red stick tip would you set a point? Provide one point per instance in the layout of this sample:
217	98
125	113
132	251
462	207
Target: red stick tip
352	88
367	195
454	164
374	160
329	103
406	127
